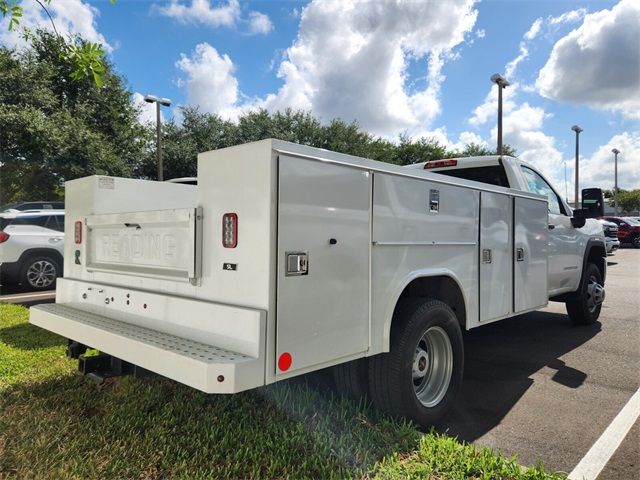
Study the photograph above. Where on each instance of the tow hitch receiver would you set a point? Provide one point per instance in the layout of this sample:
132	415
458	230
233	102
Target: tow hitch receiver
102	366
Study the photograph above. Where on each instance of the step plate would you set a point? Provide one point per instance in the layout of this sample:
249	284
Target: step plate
193	363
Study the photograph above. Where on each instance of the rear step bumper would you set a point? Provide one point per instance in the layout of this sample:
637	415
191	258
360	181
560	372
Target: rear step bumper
208	368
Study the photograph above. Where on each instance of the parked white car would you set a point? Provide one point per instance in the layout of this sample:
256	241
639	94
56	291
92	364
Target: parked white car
610	230
31	248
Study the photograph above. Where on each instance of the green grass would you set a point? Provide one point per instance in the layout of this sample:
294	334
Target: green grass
56	424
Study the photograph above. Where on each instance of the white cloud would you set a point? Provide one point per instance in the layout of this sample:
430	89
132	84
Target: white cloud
210	82
534	29
71	17
598	64
598	170
481	33
227	14
259	23
568	17
356	68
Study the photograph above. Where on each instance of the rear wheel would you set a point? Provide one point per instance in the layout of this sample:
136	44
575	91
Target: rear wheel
420	376
635	240
39	272
584	305
352	378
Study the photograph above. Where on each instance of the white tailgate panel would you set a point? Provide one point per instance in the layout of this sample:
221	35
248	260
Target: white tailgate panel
159	243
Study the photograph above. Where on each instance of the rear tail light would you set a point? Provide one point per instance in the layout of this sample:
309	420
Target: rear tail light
78	232
4	237
440	163
229	230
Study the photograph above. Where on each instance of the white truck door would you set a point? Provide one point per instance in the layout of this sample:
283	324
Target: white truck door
495	256
323	263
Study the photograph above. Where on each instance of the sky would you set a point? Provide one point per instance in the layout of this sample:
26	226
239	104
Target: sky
419	68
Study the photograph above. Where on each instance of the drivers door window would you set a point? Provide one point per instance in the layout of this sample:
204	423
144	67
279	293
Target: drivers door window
537	184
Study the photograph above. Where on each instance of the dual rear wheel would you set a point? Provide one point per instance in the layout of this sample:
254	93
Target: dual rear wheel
421	374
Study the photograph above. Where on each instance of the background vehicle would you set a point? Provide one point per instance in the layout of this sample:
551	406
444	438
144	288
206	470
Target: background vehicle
32	248
286	259
41	205
610	235
628	230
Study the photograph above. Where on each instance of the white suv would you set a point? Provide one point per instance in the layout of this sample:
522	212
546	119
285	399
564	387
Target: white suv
31	248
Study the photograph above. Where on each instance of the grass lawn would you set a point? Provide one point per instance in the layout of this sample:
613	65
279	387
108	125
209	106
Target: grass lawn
56	424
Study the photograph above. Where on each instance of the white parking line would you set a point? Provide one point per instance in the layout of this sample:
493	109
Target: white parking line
599	454
28	295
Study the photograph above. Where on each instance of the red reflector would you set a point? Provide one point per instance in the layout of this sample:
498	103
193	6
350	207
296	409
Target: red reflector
284	362
78	232
229	230
4	237
440	163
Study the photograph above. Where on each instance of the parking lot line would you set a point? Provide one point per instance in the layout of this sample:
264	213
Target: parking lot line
599	454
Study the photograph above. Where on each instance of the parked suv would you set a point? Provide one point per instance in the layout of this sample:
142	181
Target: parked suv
628	230
31	248
610	230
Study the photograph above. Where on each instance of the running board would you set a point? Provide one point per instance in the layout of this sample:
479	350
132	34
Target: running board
208	368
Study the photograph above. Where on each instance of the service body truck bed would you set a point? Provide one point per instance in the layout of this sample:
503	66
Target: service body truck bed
285	259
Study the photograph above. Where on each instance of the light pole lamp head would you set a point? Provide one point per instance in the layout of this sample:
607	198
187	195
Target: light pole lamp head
576	129
153	99
615	151
499	80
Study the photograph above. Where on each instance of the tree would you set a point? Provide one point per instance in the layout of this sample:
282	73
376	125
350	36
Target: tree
54	128
87	58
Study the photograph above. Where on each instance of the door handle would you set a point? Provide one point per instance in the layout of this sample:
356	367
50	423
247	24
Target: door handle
551	226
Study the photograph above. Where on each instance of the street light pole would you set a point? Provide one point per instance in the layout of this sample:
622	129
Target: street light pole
158	101
615	188
501	82
577	129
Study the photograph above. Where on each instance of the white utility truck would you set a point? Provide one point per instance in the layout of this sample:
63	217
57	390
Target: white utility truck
285	259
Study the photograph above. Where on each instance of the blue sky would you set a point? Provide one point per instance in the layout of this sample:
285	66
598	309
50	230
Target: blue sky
420	68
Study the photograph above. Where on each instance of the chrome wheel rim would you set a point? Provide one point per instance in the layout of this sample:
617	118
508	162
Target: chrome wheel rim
432	366
41	274
595	294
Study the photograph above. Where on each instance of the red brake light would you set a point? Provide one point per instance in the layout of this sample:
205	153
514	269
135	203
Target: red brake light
440	163
229	230
4	237
78	232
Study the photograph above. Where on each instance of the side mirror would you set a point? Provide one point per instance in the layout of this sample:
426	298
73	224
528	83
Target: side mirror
592	203
579	218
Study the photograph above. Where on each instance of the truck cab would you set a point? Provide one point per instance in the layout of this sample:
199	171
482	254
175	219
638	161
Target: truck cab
569	245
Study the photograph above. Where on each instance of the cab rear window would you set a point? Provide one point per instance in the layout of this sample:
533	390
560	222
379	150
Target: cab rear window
493	175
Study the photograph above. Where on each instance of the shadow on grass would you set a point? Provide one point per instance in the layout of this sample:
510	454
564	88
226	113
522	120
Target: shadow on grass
29	337
156	428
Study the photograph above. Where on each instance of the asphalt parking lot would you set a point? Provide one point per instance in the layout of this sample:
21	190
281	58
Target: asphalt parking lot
540	388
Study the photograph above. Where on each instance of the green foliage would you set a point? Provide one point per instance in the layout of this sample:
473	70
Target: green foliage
200	132
629	200
56	126
57	424
87	58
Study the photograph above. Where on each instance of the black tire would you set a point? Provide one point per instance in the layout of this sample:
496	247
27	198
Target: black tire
583	306
392	381
39	272
352	378
635	241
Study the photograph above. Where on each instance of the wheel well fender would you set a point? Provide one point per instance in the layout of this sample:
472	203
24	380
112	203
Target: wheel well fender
595	252
441	284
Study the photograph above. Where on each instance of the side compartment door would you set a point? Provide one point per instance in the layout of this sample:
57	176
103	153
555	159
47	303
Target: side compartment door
323	263
530	254
495	256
